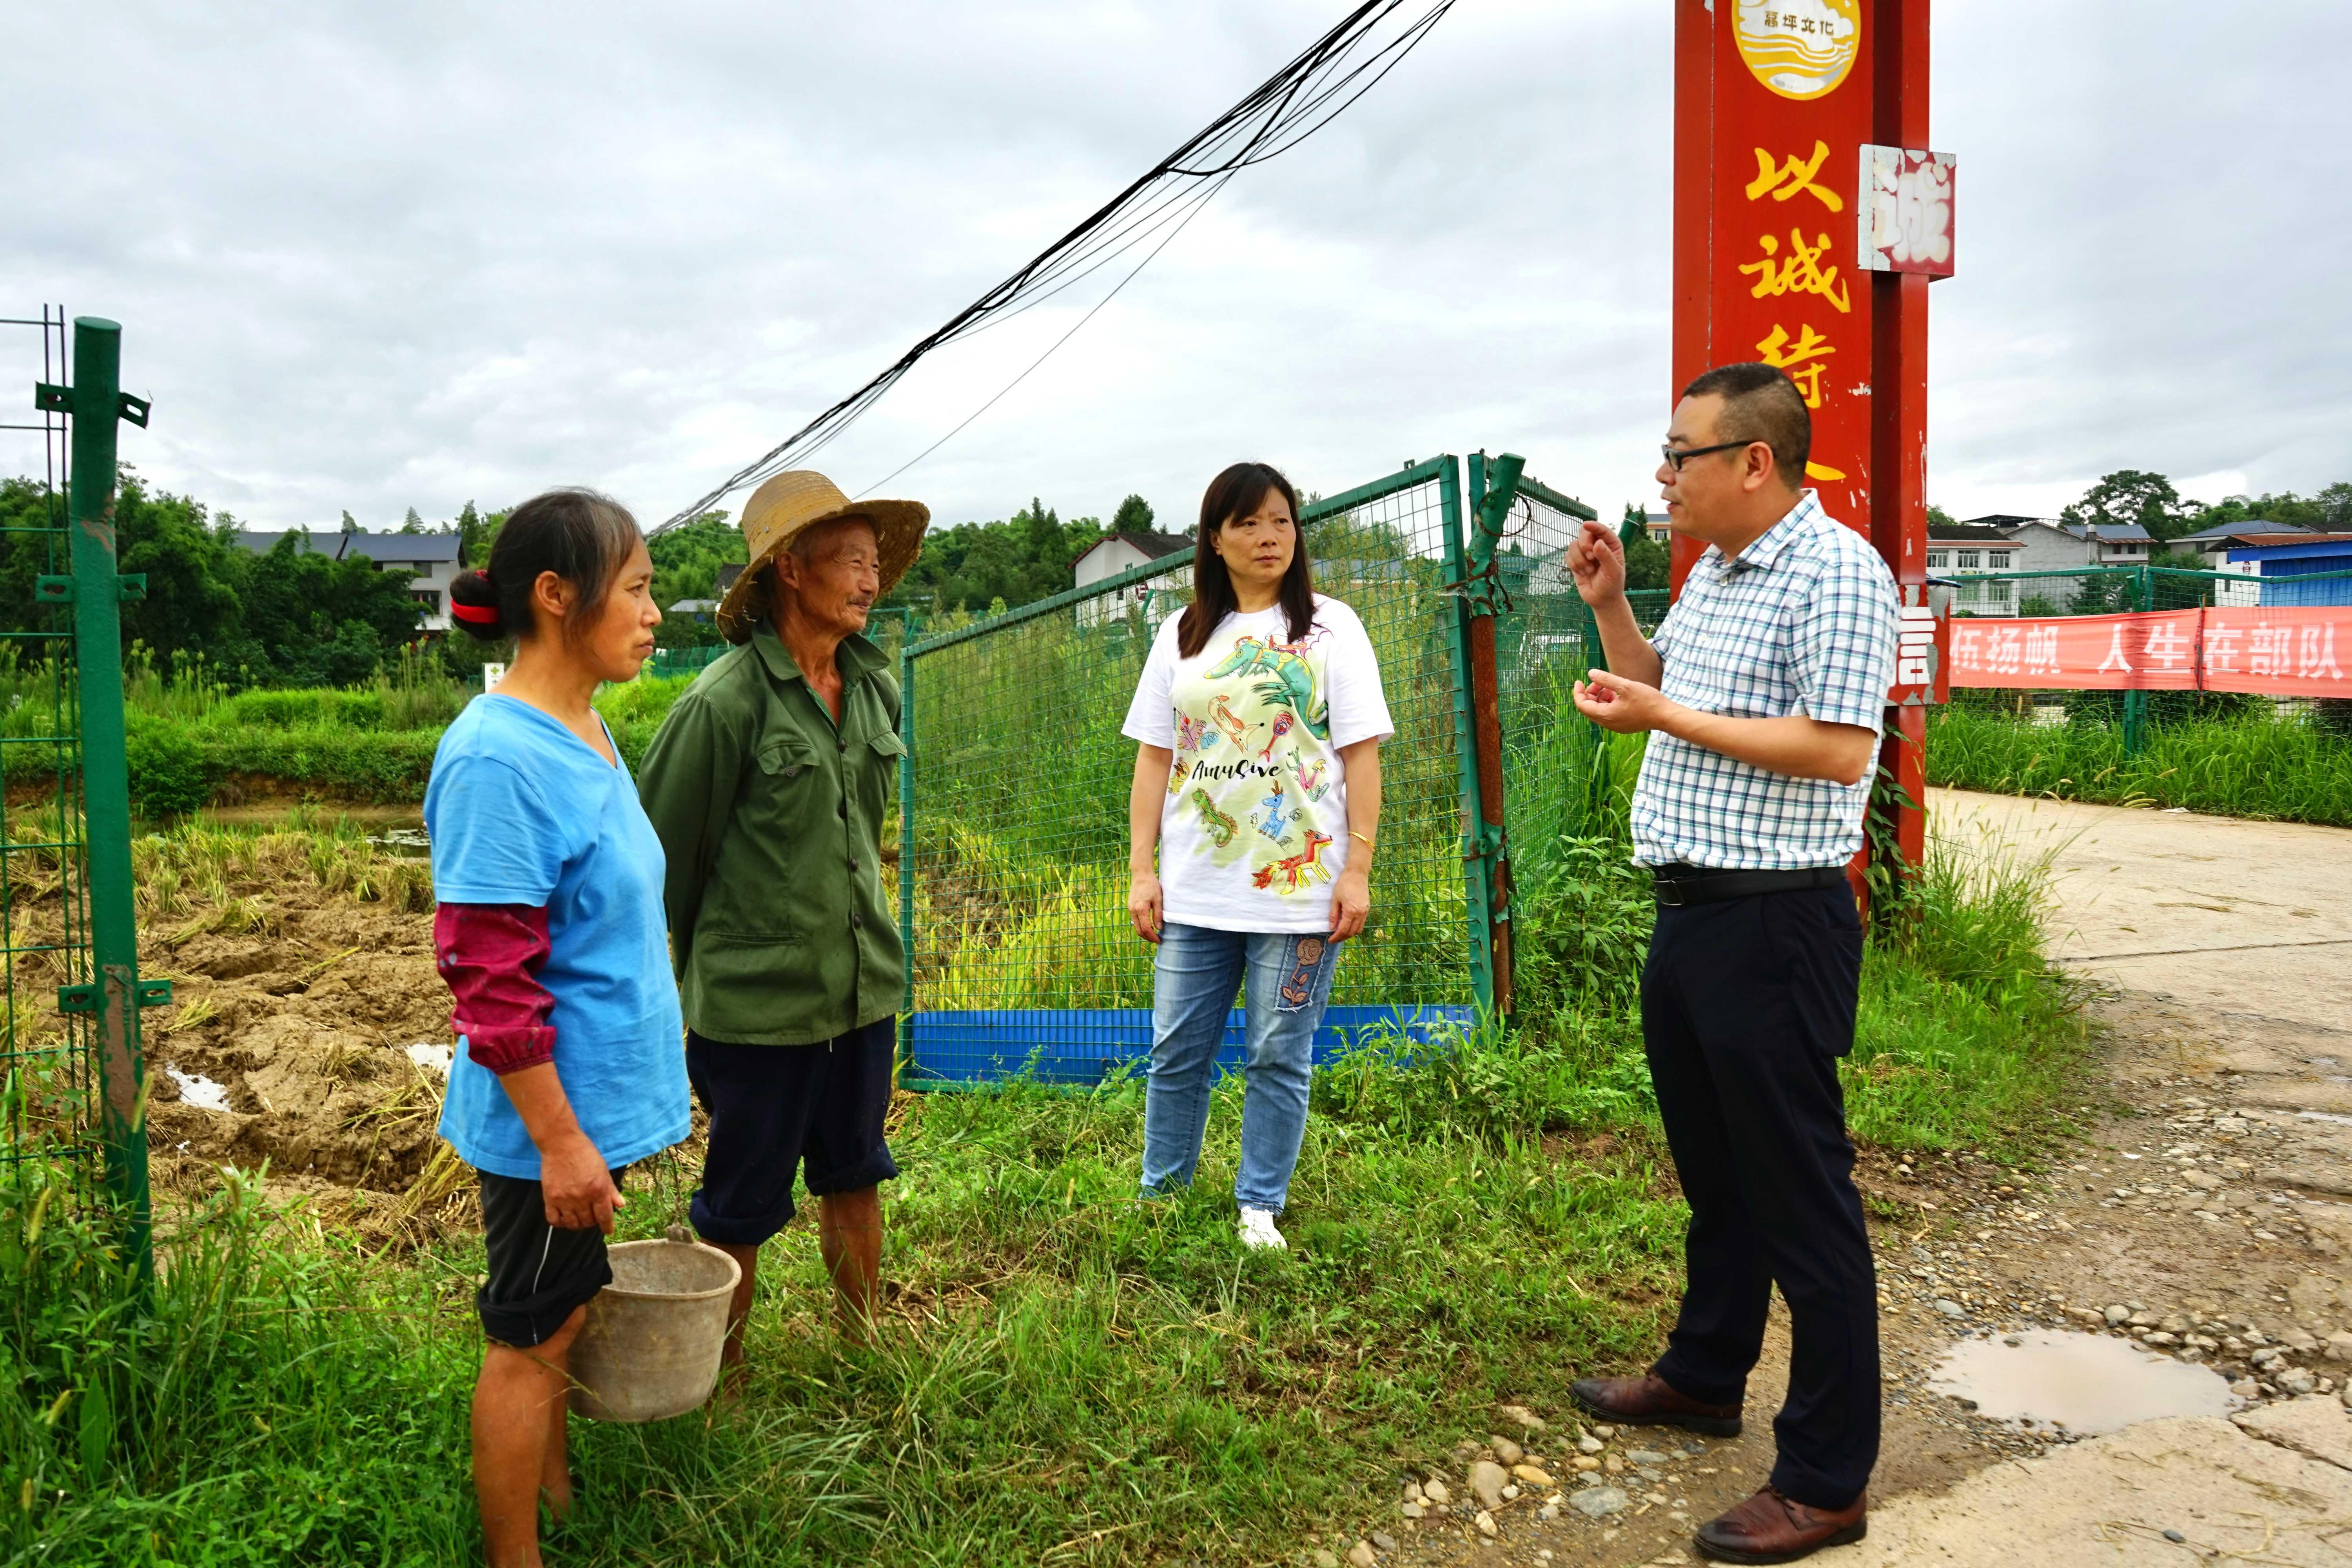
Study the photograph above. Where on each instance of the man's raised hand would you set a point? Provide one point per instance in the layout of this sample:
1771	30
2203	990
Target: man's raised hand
1596	560
1619	705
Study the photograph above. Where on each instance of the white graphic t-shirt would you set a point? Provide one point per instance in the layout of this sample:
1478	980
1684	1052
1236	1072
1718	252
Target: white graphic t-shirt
1255	827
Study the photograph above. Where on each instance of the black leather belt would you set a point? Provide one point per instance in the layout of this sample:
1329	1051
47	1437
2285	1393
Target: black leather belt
1679	885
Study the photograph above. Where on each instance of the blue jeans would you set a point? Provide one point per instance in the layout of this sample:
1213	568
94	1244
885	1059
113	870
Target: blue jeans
1195	976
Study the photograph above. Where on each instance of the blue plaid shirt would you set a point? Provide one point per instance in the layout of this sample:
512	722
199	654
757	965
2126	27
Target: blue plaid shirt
1803	622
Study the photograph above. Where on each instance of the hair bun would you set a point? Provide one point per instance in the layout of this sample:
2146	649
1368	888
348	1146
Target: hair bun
473	605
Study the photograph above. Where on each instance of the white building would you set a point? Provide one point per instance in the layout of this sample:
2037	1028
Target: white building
430	561
1963	552
1112	555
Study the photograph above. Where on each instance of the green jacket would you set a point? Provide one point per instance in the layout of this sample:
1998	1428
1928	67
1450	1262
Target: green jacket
772	818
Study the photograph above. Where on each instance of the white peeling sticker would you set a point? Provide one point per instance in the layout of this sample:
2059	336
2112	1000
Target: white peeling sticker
198	1090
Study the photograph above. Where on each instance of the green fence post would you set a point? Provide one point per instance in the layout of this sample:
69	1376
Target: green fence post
94	403
906	840
1466	739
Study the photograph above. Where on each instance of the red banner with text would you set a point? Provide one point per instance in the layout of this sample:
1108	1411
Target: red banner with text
2287	652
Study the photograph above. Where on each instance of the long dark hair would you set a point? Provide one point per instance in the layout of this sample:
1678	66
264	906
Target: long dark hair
1237	492
582	537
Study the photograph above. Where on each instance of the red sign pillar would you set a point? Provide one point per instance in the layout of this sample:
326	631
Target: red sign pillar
1777	106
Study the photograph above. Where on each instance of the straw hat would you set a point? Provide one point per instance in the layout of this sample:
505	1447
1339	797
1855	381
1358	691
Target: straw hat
789	505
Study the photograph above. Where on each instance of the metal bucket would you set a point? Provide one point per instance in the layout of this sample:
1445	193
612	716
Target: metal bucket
650	1347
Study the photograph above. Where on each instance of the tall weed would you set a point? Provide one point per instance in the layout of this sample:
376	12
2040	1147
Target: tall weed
2286	768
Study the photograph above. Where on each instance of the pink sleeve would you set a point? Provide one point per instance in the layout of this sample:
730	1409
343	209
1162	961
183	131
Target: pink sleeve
490	954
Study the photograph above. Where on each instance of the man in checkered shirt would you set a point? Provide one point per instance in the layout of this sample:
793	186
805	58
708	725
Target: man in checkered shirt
1762	693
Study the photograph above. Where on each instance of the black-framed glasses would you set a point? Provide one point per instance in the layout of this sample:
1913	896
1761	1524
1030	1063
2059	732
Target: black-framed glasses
1675	460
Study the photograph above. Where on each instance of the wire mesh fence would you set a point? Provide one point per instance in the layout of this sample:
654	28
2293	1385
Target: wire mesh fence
1992	598
1545	642
48	1103
1013	830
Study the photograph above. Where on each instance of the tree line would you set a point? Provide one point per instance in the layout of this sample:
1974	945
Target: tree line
294	616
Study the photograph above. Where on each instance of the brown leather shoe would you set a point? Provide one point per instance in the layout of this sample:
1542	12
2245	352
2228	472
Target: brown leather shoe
1772	1527
1652	1401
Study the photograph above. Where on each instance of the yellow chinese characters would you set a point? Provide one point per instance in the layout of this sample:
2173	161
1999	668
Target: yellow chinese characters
1802	358
1783	181
1799	273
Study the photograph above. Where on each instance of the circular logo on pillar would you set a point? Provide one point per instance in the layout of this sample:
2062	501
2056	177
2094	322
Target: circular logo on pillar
1798	49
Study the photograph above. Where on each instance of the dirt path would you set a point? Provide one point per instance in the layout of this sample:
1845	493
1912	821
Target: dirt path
2210	1209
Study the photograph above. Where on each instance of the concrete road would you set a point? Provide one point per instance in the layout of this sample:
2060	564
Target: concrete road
2248	918
2242	932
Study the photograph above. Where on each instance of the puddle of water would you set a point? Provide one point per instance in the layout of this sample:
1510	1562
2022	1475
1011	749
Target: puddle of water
409	841
2088	1384
198	1090
434	1059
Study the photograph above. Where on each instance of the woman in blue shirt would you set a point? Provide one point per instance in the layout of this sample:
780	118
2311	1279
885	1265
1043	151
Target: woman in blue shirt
549	932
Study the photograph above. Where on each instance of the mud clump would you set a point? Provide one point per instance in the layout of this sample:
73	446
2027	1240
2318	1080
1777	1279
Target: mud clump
307	1024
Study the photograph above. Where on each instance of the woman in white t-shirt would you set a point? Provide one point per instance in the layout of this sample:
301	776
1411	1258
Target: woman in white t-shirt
1258	725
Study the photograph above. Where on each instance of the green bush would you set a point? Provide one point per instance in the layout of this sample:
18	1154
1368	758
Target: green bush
301	709
169	771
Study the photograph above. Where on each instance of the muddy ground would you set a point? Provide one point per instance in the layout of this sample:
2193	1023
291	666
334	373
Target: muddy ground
320	1035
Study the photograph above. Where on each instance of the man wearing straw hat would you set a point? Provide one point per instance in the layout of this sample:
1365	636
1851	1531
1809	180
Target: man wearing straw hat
767	783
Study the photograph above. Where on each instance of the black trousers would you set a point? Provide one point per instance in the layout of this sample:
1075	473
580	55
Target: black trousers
1746	1004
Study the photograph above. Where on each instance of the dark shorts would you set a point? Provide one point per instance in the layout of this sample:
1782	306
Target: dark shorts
772	1108
539	1275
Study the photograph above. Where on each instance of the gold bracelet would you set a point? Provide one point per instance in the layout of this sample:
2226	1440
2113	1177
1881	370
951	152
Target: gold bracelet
1353	834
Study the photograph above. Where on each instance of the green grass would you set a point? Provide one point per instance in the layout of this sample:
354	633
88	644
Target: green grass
1073	1377
1069	1376
191	742
2287	769
1967	1037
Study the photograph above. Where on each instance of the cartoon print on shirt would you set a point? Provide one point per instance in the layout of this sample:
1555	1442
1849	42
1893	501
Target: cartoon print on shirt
1281	728
1280	780
1220	709
1214	823
1293	685
1306	864
1275	822
1310	780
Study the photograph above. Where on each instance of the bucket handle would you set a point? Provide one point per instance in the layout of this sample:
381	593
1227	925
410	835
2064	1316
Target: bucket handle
680	1235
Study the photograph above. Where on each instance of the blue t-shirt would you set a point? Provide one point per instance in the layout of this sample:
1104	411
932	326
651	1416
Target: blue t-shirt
522	811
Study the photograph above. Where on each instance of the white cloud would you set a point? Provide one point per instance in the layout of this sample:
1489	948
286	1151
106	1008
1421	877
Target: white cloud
372	257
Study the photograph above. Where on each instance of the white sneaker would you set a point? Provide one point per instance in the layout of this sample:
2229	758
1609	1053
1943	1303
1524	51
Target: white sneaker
1258	1233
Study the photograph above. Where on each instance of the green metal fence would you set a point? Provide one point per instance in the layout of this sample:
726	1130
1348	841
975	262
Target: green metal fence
69	938
43	902
1012	823
2116	590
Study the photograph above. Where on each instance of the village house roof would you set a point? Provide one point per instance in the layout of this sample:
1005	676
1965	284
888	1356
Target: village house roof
1966	533
2249	528
383	547
1152	545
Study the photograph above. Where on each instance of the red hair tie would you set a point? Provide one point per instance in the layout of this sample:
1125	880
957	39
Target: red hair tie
480	614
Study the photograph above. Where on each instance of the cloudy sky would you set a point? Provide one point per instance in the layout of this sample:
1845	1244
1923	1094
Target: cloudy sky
384	256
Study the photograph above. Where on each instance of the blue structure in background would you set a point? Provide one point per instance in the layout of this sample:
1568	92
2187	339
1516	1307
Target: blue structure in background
1082	1046
2282	564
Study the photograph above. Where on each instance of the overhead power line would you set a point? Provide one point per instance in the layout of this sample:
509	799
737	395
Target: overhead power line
1291	106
